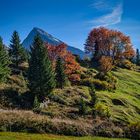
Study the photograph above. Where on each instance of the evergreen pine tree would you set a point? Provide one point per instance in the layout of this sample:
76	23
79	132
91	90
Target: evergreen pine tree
137	57
93	95
4	63
60	74
40	73
17	52
93	99
36	103
83	107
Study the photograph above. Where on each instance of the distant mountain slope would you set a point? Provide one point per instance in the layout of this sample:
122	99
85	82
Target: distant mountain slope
50	39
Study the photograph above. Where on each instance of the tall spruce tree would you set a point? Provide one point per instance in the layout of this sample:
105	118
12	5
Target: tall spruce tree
17	52
137	57
60	74
4	63
40	74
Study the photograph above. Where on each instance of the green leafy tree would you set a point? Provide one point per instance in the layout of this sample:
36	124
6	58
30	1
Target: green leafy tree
17	52
60	73
40	74
4	63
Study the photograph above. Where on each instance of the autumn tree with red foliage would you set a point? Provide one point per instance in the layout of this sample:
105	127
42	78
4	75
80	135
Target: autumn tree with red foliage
104	42
71	66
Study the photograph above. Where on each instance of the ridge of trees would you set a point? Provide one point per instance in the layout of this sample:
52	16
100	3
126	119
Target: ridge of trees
51	66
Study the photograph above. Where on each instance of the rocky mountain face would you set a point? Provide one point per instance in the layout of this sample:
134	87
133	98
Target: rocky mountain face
49	39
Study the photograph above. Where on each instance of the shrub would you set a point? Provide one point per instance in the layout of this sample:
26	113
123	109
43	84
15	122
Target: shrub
93	95
109	78
127	65
9	98
26	121
102	110
107	129
88	73
83	76
36	102
26	100
57	98
36	106
18	83
99	85
87	82
82	107
106	64
93	99
134	130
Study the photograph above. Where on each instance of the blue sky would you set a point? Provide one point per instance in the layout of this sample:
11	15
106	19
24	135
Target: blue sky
69	20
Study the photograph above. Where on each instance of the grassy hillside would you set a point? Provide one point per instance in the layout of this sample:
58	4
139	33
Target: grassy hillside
62	114
124	103
24	136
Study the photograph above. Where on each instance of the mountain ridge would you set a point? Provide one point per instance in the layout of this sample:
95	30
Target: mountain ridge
48	38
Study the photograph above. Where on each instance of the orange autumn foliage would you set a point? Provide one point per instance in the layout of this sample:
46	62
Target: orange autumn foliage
105	64
71	66
102	41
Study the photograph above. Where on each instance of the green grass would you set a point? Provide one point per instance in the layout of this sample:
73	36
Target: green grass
64	107
128	93
25	136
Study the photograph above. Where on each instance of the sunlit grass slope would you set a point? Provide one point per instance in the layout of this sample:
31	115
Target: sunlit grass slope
124	103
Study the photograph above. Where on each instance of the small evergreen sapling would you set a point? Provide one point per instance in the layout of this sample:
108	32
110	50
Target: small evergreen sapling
82	107
36	106
36	103
93	99
93	95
